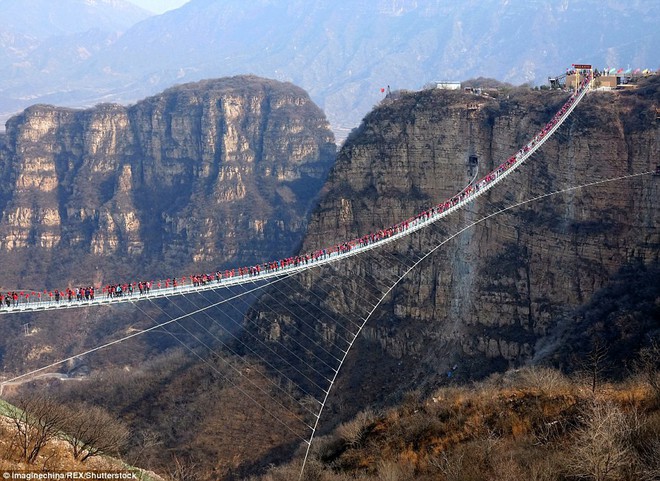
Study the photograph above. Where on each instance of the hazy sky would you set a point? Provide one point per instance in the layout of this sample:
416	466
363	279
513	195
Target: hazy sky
159	6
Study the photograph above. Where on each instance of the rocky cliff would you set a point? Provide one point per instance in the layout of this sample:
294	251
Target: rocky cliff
204	175
508	290
215	172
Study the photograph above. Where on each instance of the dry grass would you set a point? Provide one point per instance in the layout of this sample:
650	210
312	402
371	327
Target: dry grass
528	425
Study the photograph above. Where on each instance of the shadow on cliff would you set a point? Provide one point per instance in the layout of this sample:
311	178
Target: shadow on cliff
619	320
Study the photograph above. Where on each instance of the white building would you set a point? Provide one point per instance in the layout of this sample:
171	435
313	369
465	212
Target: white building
447	85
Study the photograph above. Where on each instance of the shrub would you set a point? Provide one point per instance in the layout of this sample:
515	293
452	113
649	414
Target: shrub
354	431
602	449
389	470
545	379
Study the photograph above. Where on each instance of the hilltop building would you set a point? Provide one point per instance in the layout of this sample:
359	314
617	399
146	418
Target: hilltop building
446	85
606	79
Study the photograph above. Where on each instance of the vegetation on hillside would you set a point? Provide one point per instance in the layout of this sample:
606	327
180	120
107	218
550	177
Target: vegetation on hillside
528	424
534	423
40	434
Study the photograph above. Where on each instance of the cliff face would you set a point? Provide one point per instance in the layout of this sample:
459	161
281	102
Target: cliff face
208	173
503	292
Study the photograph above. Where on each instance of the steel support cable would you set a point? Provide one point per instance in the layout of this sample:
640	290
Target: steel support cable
267	308
348	321
314	294
380	259
320	286
229	364
281	291
346	325
363	295
303	347
263	343
130	336
220	341
295	315
340	319
336	323
245	344
426	255
313	341
374	284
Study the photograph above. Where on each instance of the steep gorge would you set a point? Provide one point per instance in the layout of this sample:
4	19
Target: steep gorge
192	190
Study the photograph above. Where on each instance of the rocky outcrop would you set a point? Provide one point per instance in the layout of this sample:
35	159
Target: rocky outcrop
493	296
205	174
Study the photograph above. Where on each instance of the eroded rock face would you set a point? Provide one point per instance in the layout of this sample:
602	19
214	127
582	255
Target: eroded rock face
490	297
205	174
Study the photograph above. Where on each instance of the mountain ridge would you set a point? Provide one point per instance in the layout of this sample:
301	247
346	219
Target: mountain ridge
345	53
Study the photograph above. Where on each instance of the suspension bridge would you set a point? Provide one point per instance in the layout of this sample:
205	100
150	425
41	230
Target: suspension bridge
253	279
132	292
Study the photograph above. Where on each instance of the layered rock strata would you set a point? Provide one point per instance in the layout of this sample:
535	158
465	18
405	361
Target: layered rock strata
207	174
496	295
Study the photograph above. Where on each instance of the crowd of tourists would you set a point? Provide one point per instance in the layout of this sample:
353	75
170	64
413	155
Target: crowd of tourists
198	280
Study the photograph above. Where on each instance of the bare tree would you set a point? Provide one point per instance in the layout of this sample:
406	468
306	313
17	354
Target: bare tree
595	363
649	365
602	449
183	470
93	431
37	420
144	448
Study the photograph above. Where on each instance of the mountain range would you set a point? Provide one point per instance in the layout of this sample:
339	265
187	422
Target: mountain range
343	53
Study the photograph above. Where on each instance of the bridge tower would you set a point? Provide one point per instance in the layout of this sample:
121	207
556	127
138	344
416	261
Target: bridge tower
582	70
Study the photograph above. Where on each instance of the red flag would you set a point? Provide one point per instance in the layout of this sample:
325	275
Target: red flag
382	90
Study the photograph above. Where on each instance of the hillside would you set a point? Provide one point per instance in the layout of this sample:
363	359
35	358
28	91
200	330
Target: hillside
542	283
528	424
50	450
